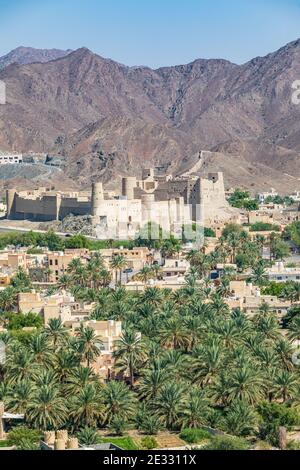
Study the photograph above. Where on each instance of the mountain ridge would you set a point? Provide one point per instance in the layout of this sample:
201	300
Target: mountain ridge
109	119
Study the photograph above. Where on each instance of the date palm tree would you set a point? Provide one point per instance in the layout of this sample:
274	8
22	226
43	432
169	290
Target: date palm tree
86	407
294	329
20	396
173	334
152	382
88	344
118	264
208	362
8	299
259	275
47	409
196	410
79	378
170	405
118	400
129	353
64	282
285	385
56	332
65	362
74	265
241	419
41	350
245	384
19	365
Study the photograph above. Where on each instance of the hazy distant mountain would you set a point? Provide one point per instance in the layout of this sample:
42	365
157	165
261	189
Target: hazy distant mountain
109	119
29	55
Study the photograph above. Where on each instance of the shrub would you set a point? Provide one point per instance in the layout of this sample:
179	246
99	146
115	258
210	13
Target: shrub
227	443
264	227
275	415
149	443
118	426
22	435
88	436
148	424
194	436
27	444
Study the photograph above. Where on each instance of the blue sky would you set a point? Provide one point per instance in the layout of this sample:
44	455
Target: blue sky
152	32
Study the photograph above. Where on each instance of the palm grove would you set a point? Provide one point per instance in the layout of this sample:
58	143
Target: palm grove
185	360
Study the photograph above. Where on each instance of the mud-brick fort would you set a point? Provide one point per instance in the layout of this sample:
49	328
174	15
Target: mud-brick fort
163	199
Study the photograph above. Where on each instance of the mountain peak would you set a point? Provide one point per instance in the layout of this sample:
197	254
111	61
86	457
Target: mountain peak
23	55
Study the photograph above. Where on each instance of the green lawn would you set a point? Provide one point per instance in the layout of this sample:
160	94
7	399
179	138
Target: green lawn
125	443
5	444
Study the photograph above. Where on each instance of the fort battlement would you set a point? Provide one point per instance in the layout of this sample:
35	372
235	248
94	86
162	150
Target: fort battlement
163	199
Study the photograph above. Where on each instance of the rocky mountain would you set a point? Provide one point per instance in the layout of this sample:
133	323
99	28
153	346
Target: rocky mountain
110	120
29	55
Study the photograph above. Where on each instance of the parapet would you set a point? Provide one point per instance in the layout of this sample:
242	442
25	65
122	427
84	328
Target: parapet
128	186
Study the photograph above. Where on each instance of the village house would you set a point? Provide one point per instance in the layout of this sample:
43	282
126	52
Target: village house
280	273
58	261
248	298
136	258
60	305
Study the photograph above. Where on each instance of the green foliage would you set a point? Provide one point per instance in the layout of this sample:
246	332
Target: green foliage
194	436
22	434
264	227
292	232
224	443
125	443
118	425
17	321
274	288
149	443
5	444
293	445
288	201
88	436
27	444
242	200
54	242
275	415
209	232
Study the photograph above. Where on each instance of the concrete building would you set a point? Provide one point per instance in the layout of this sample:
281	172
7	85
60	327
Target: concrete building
175	267
295	196
10	158
263	196
61	305
136	258
58	261
280	273
248	298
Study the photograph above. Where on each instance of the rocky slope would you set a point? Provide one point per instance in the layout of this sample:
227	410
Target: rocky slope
109	119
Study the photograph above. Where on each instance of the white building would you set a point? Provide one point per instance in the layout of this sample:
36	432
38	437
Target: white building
263	196
295	196
279	273
10	158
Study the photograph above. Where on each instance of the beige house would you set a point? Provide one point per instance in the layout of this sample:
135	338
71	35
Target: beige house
108	333
135	258
175	267
249	299
58	261
61	305
13	260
